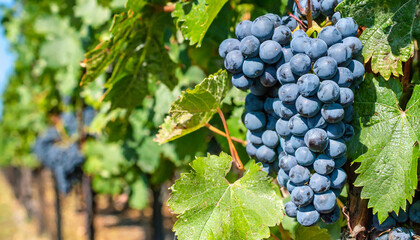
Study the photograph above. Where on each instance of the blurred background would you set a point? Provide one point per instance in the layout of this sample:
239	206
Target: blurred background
85	85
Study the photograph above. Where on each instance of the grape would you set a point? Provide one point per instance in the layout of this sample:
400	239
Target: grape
414	212
357	69
266	168
299	175
327	7
348	114
346	97
268	78
324	165
266	154
307	106
88	115
258	89
315	7
332	112
298	125
354	44
331	217
285	75
283	174
249	46
253	103
319	183
336	148
328	91
287	162
273	92
304	156
274	18
281	180
288	93
290	186
307	216
388	223
300	44
300	64
233	61
341	53
253	67
289	22
316	139
69	122
317	121
338	178
335	130
349	133
255	121
325	202
282	35
402	216
299	33
347	27
270	138
243	29
308	84
287	54
227	46
270	51
271	122
325	67
268	105
384	236
255	137
262	28
302	196
336	17
282	127
290	209
240	81
297	142
339	162
400	233
317	48
330	35
285	111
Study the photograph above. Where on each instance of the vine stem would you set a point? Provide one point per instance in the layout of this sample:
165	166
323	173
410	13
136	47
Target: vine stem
297	19
274	236
299	7
220	132
309	14
284	234
232	148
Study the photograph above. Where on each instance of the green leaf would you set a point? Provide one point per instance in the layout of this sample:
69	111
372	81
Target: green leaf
139	197
194	108
212	208
91	12
311	233
386	144
195	17
149	155
388	37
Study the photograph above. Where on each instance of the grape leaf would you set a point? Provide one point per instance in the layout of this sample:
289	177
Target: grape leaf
386	144
194	18
212	208
139	197
388	37
194	108
91	12
311	233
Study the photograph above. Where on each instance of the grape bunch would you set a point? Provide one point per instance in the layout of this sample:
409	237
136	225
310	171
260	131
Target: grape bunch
63	160
300	106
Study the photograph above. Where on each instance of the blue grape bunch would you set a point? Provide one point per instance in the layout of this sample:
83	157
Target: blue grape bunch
300	106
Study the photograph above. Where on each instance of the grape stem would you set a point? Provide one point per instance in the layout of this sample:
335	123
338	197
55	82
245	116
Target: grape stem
298	20
274	236
309	14
348	219
300	7
220	132
233	152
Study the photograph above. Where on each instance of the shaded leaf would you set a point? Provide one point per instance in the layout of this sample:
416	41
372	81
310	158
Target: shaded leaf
139	197
384	144
388	37
212	208
194	108
311	233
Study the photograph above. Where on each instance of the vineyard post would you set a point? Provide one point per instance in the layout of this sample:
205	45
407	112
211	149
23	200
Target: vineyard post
58	215
157	219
